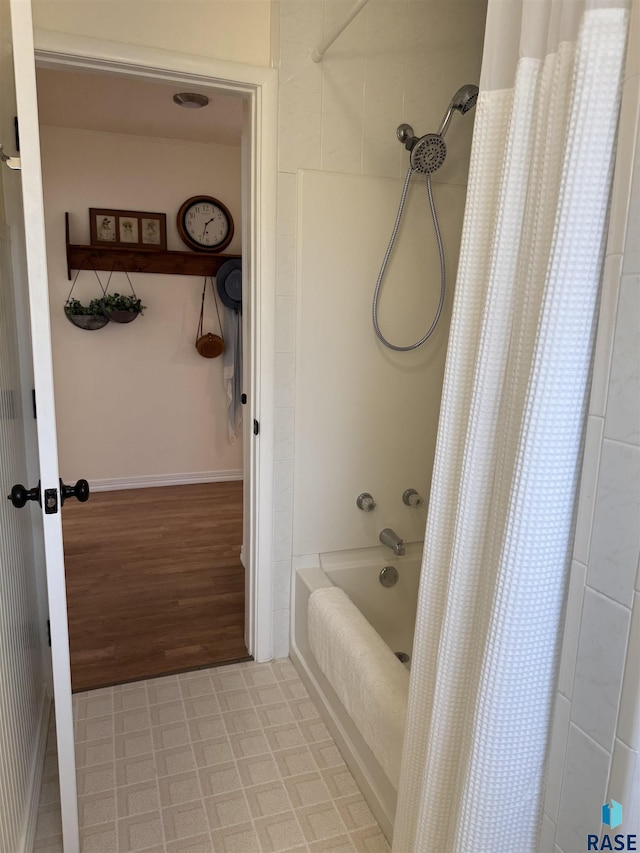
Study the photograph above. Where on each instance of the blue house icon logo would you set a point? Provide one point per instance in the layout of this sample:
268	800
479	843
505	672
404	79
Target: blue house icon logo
612	814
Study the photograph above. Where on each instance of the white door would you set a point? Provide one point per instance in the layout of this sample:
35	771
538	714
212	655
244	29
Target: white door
28	235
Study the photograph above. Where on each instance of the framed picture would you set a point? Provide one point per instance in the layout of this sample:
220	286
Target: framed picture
131	229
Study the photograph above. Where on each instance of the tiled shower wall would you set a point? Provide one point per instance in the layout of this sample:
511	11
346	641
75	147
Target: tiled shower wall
596	737
399	60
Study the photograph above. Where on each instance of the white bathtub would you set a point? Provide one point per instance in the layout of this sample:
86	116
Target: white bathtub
392	612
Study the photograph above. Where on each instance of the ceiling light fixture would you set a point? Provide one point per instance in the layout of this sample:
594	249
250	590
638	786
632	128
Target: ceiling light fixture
191	100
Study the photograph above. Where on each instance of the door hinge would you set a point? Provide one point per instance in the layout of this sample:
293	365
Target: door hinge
33	400
243	399
49	631
256	427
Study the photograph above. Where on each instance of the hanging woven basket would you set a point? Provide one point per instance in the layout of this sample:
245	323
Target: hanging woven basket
121	309
89	317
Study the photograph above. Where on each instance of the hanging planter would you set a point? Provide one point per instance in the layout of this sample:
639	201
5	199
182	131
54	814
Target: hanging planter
88	317
121	309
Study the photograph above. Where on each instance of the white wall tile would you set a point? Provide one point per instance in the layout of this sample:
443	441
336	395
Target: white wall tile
343	87
287	203
282	536
285	324
283	485
599	667
300	86
341	150
281	619
464	37
557	750
621	192
298	140
281	585
547	835
302	21
615	541
383	90
285	379
572	629
629	713
584	790
284	431
622	421
386	28
631	261
606	329
286	266
382	154
587	493
623	779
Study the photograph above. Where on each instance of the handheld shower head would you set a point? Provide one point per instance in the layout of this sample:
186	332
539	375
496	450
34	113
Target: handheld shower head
463	100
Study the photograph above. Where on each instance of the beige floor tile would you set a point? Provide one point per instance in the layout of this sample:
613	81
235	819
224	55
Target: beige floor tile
293	689
285	736
199	844
243	721
211	752
206	728
339	781
140	798
49	823
269	799
307	790
257	770
342	844
100	839
294	761
94	728
242	838
279	832
370	841
326	754
160	692
314	730
169	735
304	709
278	714
138	768
49	845
130	699
167	712
246	744
355	812
227	809
200	685
176	759
183	788
259	675
284	670
235	700
133	743
95	752
184	821
320	821
140	832
227	678
219	779
201	706
97	808
135	720
266	694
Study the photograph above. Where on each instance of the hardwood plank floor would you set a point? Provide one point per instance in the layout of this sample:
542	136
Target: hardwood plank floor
154	582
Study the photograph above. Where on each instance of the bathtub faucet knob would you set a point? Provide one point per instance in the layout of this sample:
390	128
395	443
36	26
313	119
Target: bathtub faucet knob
412	498
365	502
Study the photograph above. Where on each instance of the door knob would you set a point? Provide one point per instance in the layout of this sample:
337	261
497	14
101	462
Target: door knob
79	491
19	495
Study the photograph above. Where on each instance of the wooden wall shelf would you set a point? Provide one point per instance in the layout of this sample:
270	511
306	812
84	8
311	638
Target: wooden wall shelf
142	260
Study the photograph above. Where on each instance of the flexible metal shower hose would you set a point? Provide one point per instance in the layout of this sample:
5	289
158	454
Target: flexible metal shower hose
385	261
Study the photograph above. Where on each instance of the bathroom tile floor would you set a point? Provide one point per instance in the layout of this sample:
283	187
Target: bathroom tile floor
233	759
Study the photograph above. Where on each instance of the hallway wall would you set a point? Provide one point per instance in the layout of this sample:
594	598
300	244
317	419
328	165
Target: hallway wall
136	401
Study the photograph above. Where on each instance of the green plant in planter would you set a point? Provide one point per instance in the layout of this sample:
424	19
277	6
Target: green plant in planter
75	308
116	302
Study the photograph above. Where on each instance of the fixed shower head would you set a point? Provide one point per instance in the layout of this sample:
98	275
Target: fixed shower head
463	100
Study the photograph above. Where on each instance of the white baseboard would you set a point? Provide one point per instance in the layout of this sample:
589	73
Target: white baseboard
35	781
147	482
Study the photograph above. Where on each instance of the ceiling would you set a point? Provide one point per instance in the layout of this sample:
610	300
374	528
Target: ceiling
111	104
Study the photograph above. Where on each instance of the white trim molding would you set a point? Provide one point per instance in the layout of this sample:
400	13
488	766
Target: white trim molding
259	87
37	770
150	481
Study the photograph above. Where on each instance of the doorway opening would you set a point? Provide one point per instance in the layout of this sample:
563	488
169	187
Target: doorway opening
186	502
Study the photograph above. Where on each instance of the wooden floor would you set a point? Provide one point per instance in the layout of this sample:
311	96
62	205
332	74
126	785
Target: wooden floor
154	582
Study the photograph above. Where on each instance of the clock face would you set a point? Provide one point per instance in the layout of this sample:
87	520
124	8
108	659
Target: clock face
205	224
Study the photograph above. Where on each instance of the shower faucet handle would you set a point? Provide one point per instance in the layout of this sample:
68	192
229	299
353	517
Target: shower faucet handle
365	502
412	498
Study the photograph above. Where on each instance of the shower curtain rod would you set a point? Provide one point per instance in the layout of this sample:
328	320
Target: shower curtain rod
322	48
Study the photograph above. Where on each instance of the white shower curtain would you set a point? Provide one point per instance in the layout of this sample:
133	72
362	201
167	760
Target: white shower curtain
499	531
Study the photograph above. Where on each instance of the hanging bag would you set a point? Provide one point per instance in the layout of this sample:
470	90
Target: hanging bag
209	345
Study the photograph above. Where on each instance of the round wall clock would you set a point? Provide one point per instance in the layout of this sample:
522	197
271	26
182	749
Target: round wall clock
205	224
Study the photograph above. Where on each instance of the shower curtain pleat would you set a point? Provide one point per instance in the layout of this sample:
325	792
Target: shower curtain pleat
499	531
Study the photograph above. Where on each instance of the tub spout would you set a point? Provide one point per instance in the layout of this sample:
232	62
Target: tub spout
390	538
